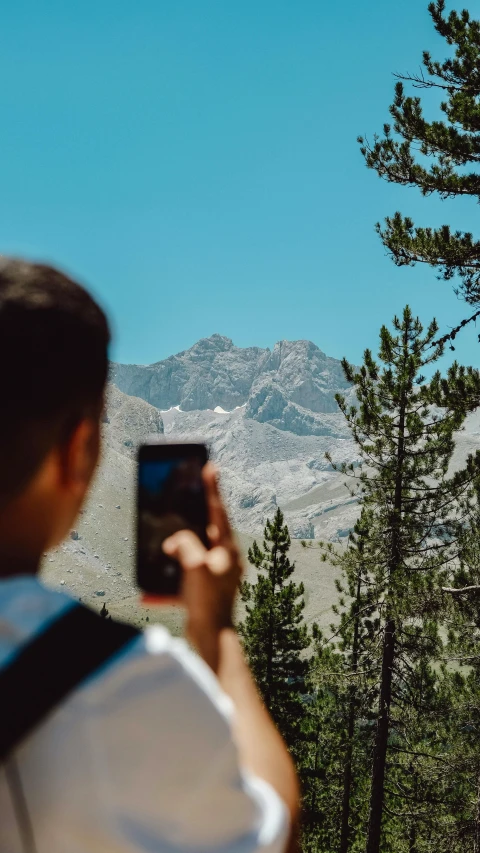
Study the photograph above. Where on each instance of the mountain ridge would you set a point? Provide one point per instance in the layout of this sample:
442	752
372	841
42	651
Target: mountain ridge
288	386
269	416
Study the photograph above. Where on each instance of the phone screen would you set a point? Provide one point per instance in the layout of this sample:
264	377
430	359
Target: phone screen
170	497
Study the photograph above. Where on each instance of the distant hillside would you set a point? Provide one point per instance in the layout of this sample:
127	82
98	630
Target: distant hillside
96	563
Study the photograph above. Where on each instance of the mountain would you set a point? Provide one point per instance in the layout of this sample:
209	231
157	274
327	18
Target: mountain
212	373
270	452
290	387
269	417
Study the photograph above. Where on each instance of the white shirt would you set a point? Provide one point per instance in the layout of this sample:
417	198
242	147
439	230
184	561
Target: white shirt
140	757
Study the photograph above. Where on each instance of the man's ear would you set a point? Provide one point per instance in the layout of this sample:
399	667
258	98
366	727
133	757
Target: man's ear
79	456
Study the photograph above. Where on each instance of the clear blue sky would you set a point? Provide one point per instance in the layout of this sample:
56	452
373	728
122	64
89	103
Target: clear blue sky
195	162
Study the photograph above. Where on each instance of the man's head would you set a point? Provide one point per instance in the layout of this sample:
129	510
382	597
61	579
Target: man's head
53	370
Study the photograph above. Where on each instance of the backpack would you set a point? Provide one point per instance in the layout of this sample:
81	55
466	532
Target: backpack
42	673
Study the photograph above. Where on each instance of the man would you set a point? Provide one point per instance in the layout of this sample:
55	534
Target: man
160	749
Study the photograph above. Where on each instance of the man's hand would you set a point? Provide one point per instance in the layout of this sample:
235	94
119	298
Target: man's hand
210	577
210	581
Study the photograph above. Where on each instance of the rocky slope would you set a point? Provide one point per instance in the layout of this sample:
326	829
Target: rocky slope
289	387
261	467
269	418
212	373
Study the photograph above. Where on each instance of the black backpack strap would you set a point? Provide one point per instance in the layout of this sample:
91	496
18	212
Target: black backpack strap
51	665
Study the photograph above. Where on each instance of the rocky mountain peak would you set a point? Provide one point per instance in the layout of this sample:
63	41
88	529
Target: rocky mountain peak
215	343
290	386
302	348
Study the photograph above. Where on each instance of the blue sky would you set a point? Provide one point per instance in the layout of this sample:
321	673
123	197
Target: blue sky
195	162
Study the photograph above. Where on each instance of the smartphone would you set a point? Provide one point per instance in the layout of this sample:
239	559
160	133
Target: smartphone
170	497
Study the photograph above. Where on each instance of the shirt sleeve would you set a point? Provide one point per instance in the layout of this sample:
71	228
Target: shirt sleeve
164	730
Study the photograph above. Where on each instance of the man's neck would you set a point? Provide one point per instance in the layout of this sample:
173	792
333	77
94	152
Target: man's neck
13	565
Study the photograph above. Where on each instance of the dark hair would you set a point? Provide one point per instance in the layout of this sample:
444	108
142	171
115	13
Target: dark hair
53	365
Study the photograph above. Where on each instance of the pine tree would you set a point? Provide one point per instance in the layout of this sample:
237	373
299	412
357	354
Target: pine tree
274	632
404	429
438	156
439	772
322	757
359	670
463	688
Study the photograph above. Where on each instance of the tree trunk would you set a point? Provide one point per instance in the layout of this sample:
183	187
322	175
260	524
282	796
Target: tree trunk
388	655
347	772
270	644
412	836
381	741
313	801
476	839
412	843
347	783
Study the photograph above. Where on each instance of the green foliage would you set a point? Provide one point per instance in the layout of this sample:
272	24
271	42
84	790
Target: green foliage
322	768
383	714
335	768
438	156
461	682
274	633
400	556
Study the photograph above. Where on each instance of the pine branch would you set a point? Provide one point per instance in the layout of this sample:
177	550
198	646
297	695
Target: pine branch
466	590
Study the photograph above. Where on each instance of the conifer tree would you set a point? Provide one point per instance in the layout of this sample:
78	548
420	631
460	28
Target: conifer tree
359	670
274	632
462	688
438	157
321	767
404	429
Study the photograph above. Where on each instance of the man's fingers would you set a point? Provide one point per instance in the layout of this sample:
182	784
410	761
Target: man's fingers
219	561
218	515
213	534
185	547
